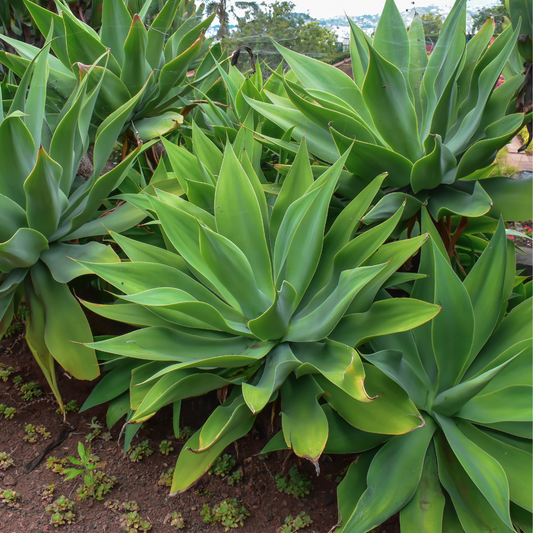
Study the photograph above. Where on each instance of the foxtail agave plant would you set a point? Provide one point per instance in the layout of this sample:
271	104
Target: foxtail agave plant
435	124
45	206
469	374
130	57
250	300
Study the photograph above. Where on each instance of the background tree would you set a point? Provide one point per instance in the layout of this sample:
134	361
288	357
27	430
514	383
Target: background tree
223	12
297	31
432	24
497	12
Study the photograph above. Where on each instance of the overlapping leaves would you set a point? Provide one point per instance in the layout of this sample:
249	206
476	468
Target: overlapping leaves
245	299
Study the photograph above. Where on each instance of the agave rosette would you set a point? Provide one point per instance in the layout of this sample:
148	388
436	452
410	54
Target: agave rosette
469	373
130	57
435	124
44	205
251	297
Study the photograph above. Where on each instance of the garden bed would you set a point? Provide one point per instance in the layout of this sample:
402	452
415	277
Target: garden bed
139	481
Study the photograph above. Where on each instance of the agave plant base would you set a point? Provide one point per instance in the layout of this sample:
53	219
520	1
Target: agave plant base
139	481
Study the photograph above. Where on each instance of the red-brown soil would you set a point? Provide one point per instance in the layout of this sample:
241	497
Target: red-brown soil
139	481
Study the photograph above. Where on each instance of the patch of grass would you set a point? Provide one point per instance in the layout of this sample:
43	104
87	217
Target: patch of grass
229	512
296	483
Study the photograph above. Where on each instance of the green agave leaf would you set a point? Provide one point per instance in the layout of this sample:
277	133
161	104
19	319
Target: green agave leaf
318	323
511	198
448	200
66	326
370	160
222	421
14	218
390	204
118	408
22	250
521	518
424	512
495	406
339	363
139	251
35	337
61	259
191	466
132	278
344	438
296	183
136	315
359	52
135	68
183	345
274	322
238	218
450	401
516	463
187	207
393	478
418	60
429	171
112	385
116	22
150	128
279	363
386	95
484	470
45	201
390	39
472	508
141	381
157	31
391	412
16	146
383	318
206	151
174	386
304	423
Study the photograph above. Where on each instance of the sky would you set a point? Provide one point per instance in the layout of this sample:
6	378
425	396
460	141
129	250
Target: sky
331	8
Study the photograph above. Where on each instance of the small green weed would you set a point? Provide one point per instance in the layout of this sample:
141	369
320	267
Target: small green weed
229	512
204	493
116	505
294	482
262	456
18	381
96	430
166	477
140	451
47	492
10	498
133	522
96	483
340	477
235	478
222	466
30	391
5	372
186	432
35	433
70	406
175	520
61	512
56	465
6	461
292	524
8	412
166	447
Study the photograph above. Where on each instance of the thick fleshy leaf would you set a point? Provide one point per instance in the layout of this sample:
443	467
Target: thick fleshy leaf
425	510
391	412
150	128
484	470
14	218
418	60
116	22
393	478
66	326
383	318
22	250
512	199
305	426
339	363
238	217
191	466
280	362
135	68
